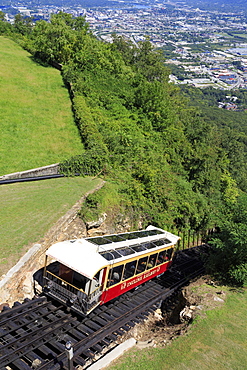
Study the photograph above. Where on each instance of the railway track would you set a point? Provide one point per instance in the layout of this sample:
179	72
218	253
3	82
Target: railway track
33	334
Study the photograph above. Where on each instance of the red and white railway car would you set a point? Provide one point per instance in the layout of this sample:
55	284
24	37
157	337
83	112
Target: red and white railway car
85	273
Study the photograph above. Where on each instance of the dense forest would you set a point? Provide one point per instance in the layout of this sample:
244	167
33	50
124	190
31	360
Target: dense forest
167	161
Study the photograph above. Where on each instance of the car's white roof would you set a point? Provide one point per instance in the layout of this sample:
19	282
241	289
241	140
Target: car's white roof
79	255
83	256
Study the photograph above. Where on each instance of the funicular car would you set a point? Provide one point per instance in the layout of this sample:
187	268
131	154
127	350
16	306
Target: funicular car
88	272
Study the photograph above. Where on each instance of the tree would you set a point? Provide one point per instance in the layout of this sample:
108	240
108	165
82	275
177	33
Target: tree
23	25
59	40
2	16
5	27
228	260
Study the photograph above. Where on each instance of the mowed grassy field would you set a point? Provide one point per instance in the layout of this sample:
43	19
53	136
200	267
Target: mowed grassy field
217	340
29	209
36	121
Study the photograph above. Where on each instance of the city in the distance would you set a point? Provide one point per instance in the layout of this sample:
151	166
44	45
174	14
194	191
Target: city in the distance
204	42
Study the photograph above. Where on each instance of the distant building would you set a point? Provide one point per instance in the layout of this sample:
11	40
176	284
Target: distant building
238	51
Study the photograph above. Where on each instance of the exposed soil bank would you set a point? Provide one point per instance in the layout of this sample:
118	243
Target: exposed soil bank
169	322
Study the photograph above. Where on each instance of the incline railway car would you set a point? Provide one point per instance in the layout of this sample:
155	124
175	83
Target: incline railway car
85	273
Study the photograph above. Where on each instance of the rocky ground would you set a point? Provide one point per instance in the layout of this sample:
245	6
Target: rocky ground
164	325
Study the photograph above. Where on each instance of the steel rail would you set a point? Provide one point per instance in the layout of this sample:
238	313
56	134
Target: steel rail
47	330
119	322
43	316
44	303
11	311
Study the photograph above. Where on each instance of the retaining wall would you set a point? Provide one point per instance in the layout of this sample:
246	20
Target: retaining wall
52	169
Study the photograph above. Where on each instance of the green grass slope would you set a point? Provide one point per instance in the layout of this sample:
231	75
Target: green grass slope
36	121
28	210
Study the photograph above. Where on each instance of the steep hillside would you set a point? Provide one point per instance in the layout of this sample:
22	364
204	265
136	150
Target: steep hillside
164	162
37	126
